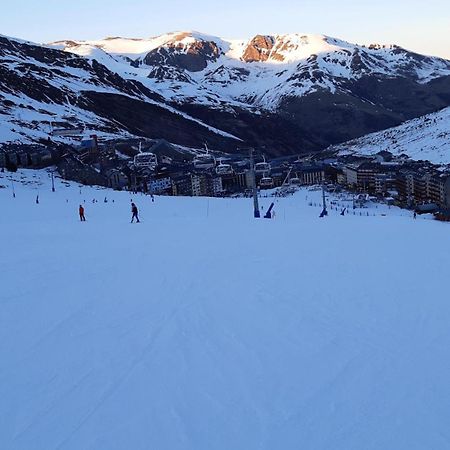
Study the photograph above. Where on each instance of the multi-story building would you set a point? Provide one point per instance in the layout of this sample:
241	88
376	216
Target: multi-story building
362	175
233	182
384	182
196	184
439	190
205	184
181	184
405	187
310	174
424	186
160	184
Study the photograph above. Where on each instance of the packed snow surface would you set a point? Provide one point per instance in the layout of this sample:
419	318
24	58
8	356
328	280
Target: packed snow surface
203	328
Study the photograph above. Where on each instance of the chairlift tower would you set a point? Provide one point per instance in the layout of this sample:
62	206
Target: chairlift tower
324	203
256	212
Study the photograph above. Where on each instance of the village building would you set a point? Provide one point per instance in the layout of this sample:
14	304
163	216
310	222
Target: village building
424	186
160	184
310	174
181	184
234	182
361	175
205	184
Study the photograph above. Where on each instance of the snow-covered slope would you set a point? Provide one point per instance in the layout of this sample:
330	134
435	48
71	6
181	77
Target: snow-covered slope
424	138
259	72
202	328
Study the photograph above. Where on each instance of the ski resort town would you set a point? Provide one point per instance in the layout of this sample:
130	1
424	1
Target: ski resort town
159	167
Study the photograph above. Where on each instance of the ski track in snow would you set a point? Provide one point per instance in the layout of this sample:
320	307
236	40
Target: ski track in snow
212	330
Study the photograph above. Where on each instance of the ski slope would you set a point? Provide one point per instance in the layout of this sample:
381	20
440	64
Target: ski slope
201	328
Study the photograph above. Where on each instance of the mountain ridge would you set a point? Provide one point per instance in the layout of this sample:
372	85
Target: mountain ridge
282	94
422	138
262	70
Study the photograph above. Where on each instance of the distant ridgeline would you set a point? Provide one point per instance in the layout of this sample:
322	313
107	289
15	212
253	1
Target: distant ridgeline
281	94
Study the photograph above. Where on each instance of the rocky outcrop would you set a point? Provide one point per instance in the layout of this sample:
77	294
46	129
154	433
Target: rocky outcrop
258	49
192	57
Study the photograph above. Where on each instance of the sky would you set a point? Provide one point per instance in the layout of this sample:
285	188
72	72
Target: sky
422	26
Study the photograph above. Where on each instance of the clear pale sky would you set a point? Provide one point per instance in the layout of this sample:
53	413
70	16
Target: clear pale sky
422	26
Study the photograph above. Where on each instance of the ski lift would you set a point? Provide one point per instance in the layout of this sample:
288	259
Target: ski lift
262	167
266	182
204	160
145	159
286	181
224	169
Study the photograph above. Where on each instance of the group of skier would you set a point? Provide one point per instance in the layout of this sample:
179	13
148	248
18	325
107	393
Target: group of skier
134	213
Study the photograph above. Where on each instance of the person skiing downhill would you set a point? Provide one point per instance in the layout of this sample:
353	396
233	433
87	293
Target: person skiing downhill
81	212
134	212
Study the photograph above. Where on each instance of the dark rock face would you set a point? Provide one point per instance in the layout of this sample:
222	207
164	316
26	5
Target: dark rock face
163	72
233	73
258	49
357	65
194	57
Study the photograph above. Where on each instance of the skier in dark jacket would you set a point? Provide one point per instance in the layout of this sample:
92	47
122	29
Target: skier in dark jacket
134	212
81	212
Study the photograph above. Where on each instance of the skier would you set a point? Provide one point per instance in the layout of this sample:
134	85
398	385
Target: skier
415	215
81	212
134	212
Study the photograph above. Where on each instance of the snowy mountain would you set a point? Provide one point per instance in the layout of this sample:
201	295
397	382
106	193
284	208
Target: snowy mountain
283	94
424	138
42	89
261	72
